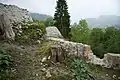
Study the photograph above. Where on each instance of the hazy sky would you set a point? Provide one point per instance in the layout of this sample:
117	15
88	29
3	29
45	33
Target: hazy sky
78	8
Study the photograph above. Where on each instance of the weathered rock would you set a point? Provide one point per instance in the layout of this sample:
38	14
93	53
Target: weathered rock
38	42
87	51
16	16
49	57
44	59
14	13
65	48
44	69
53	32
56	53
112	60
48	75
6	31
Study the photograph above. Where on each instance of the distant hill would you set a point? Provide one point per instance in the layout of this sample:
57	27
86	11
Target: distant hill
37	16
104	20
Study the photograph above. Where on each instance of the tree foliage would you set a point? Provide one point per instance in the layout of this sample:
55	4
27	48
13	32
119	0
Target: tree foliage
105	40
102	40
49	22
62	18
80	32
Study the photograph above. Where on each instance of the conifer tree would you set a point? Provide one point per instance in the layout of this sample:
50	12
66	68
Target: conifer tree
62	18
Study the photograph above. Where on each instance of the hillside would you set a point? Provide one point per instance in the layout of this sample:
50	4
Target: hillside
104	20
31	51
37	16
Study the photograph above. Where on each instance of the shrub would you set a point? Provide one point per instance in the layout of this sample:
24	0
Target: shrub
5	64
31	31
81	70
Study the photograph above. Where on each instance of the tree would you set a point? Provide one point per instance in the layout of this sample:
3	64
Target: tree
49	22
96	41
80	32
62	18
112	40
96	36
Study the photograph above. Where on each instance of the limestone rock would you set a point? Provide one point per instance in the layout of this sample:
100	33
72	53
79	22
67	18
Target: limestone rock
65	48
112	60
44	59
38	42
87	51
48	75
44	69
53	32
56	53
15	14
6	31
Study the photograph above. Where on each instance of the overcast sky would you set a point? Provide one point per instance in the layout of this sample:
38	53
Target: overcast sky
77	8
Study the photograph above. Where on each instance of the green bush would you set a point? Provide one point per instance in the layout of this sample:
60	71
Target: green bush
81	70
31	31
5	64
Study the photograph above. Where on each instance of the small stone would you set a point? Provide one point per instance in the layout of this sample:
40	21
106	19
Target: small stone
48	75
20	31
44	59
43	69
49	57
45	65
13	70
106	74
36	74
118	78
38	41
114	76
22	47
41	63
21	54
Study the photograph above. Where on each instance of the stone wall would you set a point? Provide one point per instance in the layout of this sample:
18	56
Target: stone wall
64	48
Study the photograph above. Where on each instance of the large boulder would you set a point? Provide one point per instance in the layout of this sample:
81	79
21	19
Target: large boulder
6	31
53	32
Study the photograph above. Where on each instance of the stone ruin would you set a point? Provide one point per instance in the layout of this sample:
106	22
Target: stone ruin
64	48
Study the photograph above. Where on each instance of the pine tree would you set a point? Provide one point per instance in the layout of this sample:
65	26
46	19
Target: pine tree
62	18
